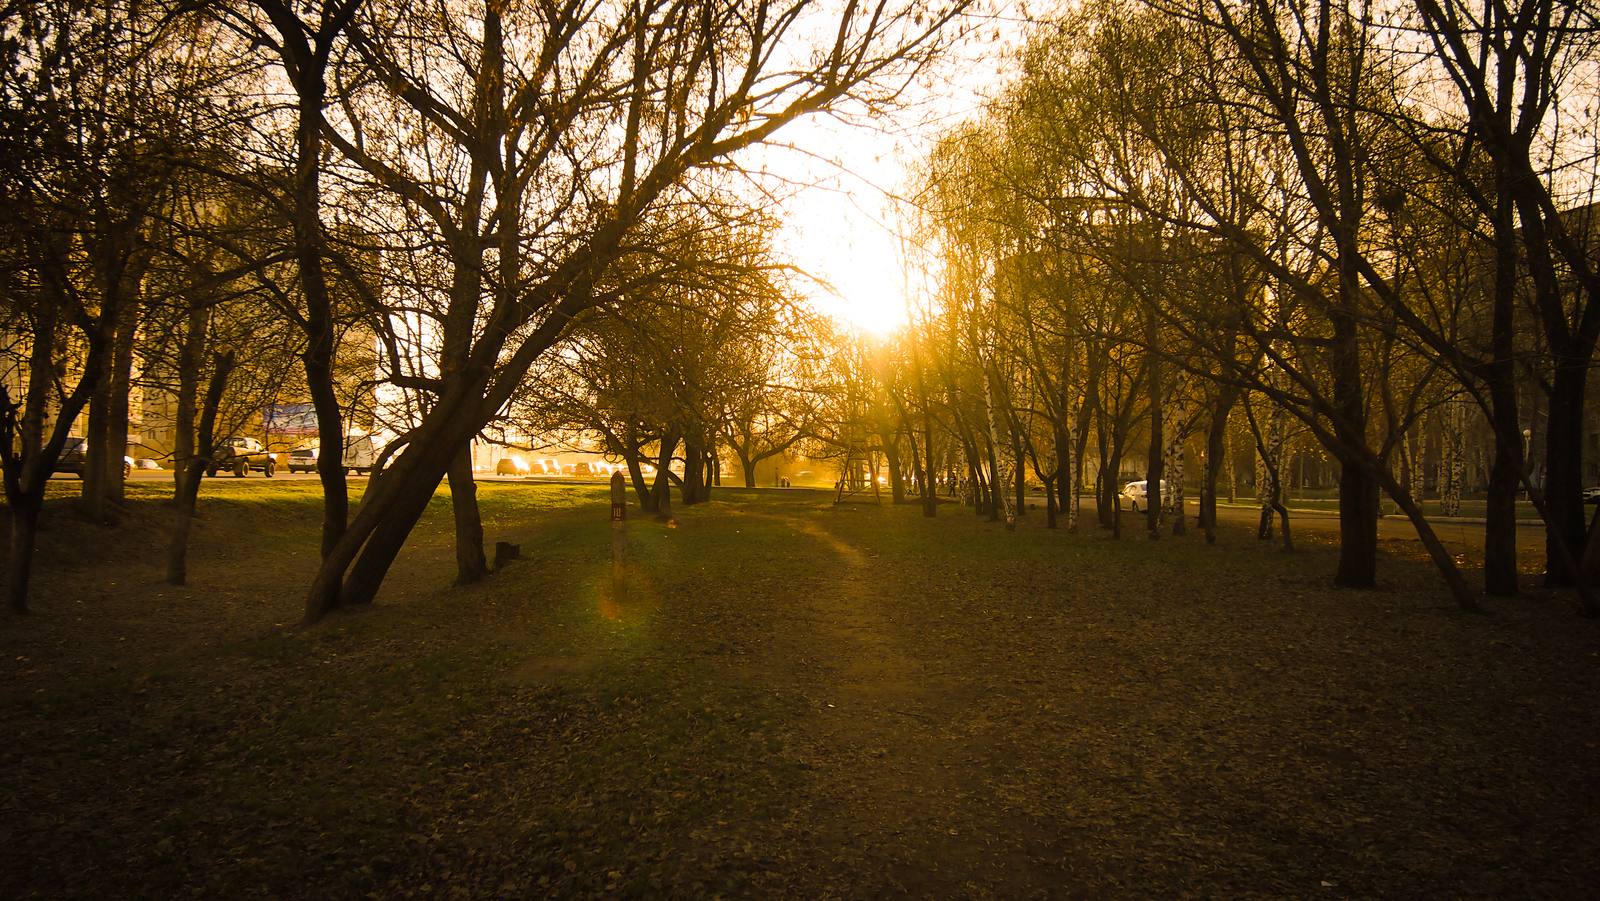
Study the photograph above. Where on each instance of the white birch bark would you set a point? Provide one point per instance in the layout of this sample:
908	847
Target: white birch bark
1233	475
1416	453
1074	471
1263	482
1002	475
1070	476
1269	464
1261	470
1280	450
1454	457
1172	464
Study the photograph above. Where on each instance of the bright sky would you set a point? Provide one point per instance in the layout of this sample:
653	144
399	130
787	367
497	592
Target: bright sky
841	229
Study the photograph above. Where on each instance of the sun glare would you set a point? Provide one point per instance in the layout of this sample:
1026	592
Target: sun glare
839	222
837	231
866	281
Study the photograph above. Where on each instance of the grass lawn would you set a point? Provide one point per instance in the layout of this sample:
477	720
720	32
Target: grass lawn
788	699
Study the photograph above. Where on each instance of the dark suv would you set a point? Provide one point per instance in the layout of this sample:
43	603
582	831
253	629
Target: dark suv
71	459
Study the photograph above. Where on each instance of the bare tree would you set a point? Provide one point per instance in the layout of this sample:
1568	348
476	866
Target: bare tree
549	139
1520	69
91	138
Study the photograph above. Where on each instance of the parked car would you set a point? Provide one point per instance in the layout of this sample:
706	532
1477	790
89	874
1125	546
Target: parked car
513	466
146	463
588	469
240	454
361	453
1591	495
303	459
1134	493
72	458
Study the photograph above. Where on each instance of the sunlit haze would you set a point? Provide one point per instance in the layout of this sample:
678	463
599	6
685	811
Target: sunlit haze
841	231
842	228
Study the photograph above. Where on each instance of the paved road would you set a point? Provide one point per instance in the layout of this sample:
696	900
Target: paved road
1530	536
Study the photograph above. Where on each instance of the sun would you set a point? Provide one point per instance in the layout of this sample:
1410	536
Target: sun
869	296
839	239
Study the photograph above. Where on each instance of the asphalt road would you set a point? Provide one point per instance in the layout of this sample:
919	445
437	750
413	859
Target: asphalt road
1530	536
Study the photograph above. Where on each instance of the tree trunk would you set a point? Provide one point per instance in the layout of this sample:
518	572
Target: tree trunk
693	470
185	497
1430	542
1218	451
190	354
891	455
1155	470
368	567
395	498
24	536
1233	475
1563	471
1080	449
997	480
1500	515
930	494
96	436
1068	468
1358	491
192	466
1589	567
1267	443
1505	478
703	493
1019	476
1110	485
121	395
919	472
471	564
26	461
1359	506
1454	459
307	66
1174	461
1416	449
661	494
634	456
748	466
1280	461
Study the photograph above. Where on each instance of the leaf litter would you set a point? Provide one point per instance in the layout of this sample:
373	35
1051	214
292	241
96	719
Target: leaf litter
821	703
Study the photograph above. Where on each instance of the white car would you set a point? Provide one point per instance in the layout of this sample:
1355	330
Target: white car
1134	493
303	459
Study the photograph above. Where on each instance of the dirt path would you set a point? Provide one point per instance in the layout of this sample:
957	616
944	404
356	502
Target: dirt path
905	796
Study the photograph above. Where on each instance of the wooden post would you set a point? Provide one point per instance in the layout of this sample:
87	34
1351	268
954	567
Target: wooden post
619	537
